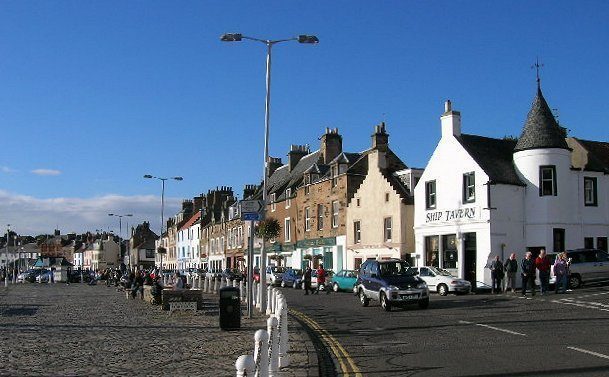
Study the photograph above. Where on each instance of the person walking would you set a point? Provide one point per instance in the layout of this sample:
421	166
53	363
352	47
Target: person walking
321	280
497	274
511	267
560	272
542	263
306	280
527	267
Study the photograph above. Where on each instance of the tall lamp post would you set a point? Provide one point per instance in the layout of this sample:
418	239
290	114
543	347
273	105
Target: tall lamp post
120	234
160	249
237	37
8	235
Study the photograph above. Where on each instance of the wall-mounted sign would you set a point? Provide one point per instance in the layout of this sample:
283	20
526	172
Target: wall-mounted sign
454	215
314	242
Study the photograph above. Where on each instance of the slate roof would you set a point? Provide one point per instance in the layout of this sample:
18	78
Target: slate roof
283	178
191	221
540	129
598	155
495	157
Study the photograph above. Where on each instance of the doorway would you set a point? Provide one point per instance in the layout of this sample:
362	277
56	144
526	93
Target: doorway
470	256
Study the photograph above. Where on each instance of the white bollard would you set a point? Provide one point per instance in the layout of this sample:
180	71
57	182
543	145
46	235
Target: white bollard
261	353
215	285
254	295
269	296
245	365
235	283
188	280
284	347
205	285
271	324
257	290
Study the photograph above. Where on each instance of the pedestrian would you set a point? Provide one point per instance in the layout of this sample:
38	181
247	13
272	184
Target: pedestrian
560	272
321	280
178	282
496	275
306	280
542	263
527	267
511	267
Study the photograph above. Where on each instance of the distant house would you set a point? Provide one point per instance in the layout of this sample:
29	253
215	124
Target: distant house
59	265
142	246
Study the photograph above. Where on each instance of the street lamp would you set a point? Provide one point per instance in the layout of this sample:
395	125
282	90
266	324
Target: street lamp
120	234
162	250
237	37
8	235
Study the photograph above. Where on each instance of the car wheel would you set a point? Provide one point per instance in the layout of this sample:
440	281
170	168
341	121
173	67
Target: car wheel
335	287
365	301
442	289
423	304
283	284
575	281
385	304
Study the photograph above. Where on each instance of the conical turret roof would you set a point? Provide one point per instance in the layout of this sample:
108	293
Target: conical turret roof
540	130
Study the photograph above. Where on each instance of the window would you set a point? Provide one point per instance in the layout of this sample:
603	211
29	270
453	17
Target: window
430	194
386	197
357	201
547	181
335	214
469	187
307	219
431	251
273	203
357	232
288	198
559	240
320	216
387	228
601	243
449	251
334	175
287	230
357	263
328	258
590	195
149	253
588	243
307	182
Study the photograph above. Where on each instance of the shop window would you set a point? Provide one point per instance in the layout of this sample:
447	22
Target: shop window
328	258
449	251
357	263
547	181
430	194
469	187
588	242
601	243
431	251
590	193
558	240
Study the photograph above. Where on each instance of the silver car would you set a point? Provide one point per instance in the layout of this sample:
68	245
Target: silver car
587	266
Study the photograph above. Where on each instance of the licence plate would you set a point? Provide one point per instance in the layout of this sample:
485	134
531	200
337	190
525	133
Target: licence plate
410	297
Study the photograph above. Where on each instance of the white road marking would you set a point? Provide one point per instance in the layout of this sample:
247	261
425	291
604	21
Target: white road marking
493	328
589	352
581	304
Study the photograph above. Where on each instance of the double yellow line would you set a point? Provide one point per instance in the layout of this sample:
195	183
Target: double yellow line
346	363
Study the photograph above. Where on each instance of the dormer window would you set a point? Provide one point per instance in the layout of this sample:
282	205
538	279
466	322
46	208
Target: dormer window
307	182
273	206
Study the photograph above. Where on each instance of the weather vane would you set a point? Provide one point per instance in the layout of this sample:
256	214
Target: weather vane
537	65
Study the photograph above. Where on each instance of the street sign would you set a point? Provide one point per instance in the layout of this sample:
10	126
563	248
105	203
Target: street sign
251	206
251	216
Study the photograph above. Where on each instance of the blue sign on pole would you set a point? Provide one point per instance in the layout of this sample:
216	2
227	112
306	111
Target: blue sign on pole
251	216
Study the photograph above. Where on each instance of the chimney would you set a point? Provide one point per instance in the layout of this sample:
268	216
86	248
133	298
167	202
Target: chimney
451	121
198	202
57	233
274	164
296	153
331	145
187	206
248	191
380	138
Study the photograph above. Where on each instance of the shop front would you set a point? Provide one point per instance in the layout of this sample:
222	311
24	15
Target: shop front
329	251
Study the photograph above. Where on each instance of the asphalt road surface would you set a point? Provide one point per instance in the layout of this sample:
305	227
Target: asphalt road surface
473	335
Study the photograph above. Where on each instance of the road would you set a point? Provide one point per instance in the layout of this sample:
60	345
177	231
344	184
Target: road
473	335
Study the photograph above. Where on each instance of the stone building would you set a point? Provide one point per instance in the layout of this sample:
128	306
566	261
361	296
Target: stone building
142	246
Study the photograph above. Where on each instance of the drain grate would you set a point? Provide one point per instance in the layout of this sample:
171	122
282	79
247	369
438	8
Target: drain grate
17	312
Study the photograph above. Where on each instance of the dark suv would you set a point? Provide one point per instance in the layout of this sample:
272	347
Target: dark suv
392	282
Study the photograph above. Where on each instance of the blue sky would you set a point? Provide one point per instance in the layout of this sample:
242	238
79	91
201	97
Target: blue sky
95	94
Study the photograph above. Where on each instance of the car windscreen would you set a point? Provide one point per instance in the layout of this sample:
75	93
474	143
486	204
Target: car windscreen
395	269
438	271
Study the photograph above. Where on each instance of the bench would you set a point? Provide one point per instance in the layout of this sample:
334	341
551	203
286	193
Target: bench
186	305
183	295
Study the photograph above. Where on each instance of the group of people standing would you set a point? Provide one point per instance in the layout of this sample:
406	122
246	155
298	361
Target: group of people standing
528	272
321	280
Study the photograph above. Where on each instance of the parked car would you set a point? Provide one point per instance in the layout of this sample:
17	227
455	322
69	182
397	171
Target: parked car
587	266
345	280
44	276
274	274
232	274
26	276
441	281
291	278
213	273
392	282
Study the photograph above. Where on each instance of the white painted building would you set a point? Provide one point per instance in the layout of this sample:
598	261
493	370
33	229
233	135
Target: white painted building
480	197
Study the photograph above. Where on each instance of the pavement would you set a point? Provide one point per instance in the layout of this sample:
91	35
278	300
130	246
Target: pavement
77	330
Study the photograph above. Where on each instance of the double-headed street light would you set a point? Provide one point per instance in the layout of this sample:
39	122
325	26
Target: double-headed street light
161	250
120	234
237	37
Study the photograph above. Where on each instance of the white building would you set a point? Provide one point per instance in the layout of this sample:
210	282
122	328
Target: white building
480	197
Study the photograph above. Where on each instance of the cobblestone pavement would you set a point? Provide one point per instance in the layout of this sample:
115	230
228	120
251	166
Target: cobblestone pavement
78	330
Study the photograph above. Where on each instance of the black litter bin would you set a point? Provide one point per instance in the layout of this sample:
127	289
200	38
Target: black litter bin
230	308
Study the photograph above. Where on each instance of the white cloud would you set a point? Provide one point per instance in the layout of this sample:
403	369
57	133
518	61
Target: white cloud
33	216
46	172
7	170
